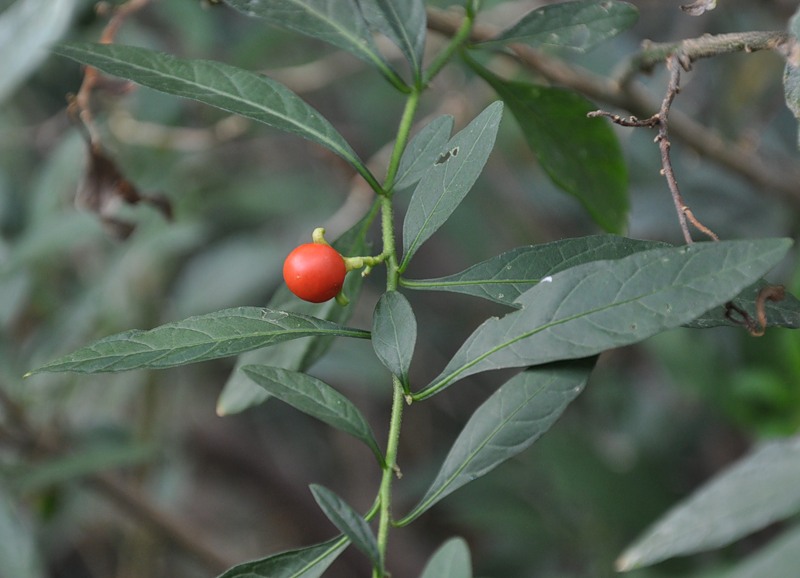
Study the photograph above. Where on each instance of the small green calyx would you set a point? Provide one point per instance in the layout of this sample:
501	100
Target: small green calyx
366	263
351	263
318	236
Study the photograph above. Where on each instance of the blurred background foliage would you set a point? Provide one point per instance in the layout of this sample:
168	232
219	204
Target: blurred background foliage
656	420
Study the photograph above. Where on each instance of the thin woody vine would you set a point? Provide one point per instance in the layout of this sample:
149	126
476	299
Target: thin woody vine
441	169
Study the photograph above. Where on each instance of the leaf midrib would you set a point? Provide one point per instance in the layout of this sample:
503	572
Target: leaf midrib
471	456
220	67
355	333
433	388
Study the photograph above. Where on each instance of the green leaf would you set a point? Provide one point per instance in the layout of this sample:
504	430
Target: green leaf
781	557
199	338
756	491
579	25
791	73
349	522
507	423
27	29
404	23
448	180
308	562
783	313
581	155
605	304
18	551
240	392
315	398
505	277
394	333
221	85
80	462
423	150
451	560
338	22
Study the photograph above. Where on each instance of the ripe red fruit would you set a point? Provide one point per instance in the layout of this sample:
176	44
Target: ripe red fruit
314	272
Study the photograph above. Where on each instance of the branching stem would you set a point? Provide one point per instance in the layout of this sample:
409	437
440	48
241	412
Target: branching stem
767	175
399	391
692	49
661	120
79	105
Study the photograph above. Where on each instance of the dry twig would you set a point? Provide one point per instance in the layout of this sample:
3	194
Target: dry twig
781	179
661	120
27	439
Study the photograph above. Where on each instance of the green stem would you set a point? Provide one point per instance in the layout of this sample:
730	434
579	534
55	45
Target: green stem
390	470
392	274
458	39
403	132
389	249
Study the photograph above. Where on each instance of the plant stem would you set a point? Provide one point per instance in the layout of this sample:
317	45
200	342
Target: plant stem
389	471
390	468
458	39
392	275
387	226
402	137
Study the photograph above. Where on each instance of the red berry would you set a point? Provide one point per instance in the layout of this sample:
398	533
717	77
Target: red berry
314	272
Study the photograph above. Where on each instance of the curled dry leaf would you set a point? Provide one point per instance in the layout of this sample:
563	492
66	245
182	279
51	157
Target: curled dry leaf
105	191
699	7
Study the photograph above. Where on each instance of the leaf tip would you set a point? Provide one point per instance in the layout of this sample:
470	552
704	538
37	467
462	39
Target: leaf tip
626	562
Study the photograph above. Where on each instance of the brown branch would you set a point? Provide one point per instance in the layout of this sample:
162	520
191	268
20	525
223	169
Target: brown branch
141	508
24	435
664	145
780	179
661	120
80	103
693	49
758	326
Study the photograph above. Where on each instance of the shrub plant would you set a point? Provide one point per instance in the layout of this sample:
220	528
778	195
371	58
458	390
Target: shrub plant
563	302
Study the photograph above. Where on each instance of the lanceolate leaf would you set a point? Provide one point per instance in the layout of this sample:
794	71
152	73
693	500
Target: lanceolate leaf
448	180
19	555
308	562
221	85
339	22
451	560
349	522
221	334
402	22
423	150
394	333
581	156
514	417
605	304
27	29
505	277
579	25
80	462
240	392
758	490
315	398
